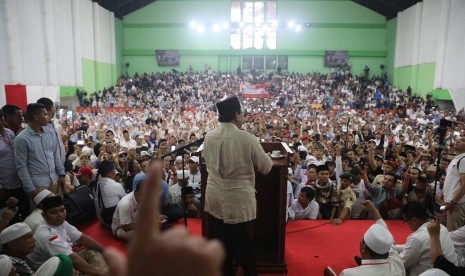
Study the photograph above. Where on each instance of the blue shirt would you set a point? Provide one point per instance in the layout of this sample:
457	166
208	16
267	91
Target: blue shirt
380	194
9	178
37	158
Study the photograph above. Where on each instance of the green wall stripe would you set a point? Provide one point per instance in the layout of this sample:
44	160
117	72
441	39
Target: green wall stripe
441	94
254	52
304	26
69	91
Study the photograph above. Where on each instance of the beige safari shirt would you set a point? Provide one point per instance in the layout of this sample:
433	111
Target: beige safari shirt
346	199
232	156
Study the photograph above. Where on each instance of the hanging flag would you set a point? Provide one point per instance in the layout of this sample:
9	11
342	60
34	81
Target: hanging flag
254	91
16	94
22	95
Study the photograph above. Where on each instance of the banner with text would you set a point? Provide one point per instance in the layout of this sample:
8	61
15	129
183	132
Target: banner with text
254	91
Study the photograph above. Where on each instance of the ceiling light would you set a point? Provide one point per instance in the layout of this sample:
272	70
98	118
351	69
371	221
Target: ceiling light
192	24
200	28
290	24
298	28
225	25
216	27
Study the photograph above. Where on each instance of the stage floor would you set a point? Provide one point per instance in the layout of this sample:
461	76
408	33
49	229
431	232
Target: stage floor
310	245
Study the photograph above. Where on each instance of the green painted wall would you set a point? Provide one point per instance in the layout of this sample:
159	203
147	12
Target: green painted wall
97	75
391	29
441	94
419	77
334	25
69	91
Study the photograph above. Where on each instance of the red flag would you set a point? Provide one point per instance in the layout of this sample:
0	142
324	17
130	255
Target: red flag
16	94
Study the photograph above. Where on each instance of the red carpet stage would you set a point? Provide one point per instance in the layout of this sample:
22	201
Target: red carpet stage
310	245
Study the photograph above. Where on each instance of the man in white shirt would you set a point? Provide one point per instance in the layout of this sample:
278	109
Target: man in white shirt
454	188
56	236
107	193
124	218
304	207
127	142
379	256
416	252
175	191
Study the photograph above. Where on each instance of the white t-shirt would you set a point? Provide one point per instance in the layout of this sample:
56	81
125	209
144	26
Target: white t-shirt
296	211
452	182
125	212
112	193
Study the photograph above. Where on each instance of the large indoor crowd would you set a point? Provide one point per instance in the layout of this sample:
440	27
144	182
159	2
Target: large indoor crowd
359	149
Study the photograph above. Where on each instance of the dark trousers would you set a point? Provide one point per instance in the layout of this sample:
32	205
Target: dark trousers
325	210
237	240
24	208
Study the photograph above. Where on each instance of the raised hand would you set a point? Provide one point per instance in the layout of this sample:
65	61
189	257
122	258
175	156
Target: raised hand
173	252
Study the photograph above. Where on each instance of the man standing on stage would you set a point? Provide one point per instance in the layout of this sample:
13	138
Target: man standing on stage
232	156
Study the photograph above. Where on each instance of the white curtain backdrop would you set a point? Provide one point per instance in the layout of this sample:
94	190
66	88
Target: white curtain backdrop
43	42
450	66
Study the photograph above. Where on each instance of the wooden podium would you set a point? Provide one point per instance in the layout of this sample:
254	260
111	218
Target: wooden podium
270	225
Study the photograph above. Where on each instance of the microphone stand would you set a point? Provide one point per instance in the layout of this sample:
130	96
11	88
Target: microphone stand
442	131
184	149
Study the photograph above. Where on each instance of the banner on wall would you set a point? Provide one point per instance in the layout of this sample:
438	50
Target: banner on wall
336	58
254	91
22	95
167	57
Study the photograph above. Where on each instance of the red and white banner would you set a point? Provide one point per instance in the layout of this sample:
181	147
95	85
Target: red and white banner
22	95
254	91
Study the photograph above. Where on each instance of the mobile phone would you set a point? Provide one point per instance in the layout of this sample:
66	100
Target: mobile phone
438	208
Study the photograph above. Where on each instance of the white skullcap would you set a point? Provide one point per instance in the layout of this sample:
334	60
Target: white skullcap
378	238
13	232
179	174
72	157
5	265
434	272
179	157
40	196
194	159
56	265
87	151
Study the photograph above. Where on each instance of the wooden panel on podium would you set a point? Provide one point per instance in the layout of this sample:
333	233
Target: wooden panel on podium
270	226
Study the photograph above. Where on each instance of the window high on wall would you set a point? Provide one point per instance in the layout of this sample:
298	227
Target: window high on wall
253	24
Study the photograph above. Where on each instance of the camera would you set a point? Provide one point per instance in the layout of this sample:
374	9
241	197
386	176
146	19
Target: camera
445	123
362	162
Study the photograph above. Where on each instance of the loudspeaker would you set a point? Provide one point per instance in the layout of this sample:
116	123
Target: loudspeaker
80	205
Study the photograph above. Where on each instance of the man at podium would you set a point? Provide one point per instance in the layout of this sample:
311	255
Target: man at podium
231	158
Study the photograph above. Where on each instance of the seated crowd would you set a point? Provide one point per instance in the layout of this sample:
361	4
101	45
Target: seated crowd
353	140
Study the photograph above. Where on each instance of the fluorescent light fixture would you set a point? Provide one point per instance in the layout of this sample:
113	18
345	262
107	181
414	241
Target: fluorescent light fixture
298	28
290	24
192	24
216	27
